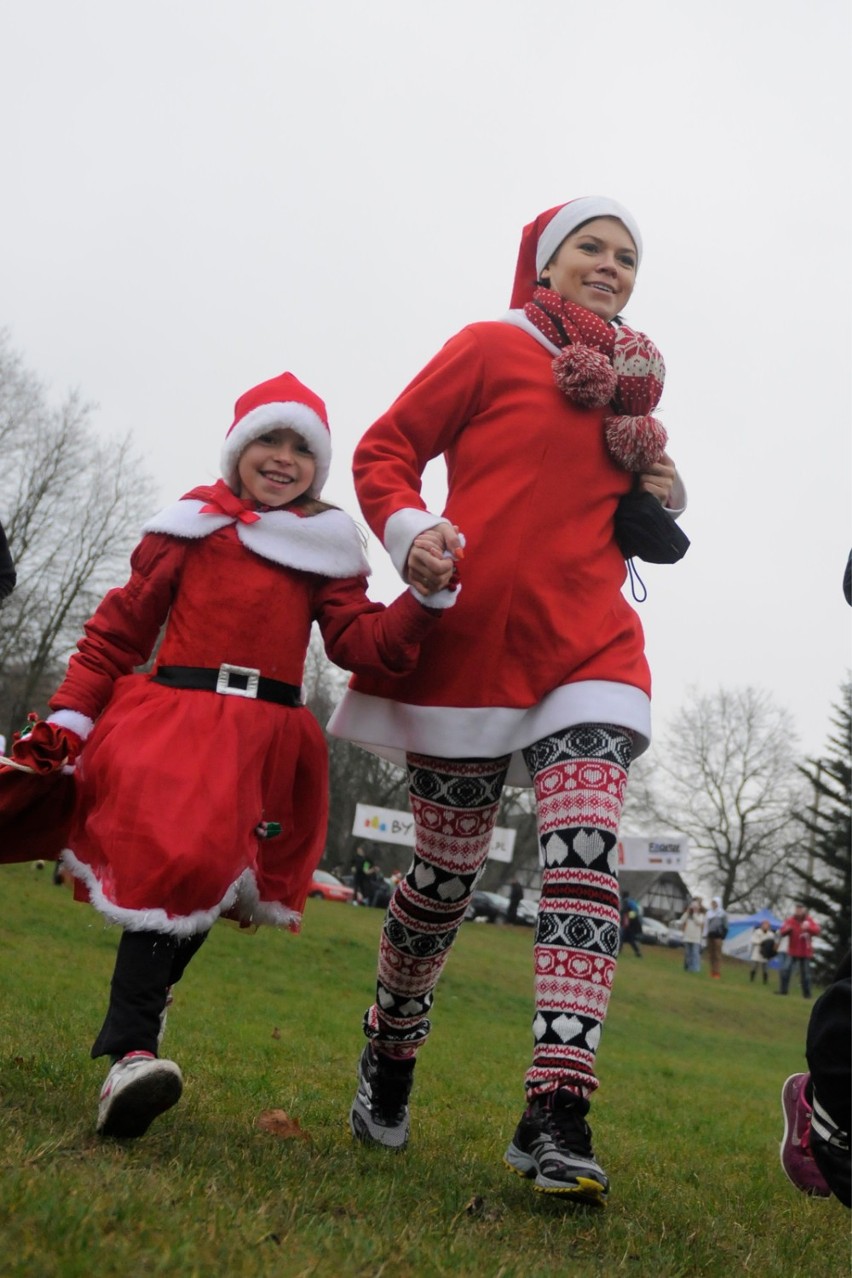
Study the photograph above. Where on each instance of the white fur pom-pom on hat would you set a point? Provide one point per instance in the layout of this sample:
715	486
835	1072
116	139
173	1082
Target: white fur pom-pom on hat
281	402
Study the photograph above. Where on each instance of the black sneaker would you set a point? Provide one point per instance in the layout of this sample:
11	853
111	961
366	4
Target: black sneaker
379	1113
553	1143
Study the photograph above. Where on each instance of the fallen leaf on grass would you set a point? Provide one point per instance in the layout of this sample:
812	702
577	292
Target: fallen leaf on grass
479	1210
279	1124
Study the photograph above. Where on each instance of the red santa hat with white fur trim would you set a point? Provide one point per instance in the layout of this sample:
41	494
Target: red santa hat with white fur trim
281	402
542	237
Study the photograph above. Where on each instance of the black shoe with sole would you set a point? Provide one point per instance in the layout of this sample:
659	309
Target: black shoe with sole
379	1113
553	1143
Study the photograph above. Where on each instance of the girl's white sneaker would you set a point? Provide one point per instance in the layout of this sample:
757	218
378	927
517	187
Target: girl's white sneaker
136	1090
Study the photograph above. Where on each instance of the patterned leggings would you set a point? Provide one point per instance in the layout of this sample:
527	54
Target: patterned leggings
579	777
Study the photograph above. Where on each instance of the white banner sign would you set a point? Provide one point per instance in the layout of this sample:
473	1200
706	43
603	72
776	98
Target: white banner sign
387	825
662	852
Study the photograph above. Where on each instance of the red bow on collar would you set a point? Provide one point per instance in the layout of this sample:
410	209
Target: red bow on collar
221	501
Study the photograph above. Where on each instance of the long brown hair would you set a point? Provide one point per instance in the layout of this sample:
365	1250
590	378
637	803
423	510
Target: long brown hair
311	505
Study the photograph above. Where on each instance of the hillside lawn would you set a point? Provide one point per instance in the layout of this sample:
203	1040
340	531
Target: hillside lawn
687	1120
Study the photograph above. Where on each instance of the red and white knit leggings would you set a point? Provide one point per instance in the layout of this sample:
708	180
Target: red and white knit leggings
579	777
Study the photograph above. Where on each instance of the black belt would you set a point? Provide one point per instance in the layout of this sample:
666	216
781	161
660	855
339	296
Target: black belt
230	681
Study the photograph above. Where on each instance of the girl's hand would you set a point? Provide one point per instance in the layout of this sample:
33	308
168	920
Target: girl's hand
658	479
431	562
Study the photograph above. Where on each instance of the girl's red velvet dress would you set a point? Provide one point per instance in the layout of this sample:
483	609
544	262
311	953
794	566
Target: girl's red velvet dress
173	783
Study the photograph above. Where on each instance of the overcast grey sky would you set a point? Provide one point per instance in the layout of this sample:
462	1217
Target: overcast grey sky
199	194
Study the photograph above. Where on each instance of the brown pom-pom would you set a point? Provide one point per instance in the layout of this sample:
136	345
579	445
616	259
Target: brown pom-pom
585	376
635	442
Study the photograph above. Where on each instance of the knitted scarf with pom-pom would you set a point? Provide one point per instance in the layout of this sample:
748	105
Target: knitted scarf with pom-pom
601	364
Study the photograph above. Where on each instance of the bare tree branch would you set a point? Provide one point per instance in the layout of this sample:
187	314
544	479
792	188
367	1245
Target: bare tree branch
725	774
72	504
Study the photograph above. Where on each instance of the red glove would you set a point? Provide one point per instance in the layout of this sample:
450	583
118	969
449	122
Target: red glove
46	747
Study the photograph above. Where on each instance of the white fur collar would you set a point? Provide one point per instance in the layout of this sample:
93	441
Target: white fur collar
519	319
328	543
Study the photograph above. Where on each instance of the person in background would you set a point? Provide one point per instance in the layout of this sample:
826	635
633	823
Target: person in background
631	924
363	867
8	576
800	929
782	953
716	929
545	419
692	924
762	950
516	895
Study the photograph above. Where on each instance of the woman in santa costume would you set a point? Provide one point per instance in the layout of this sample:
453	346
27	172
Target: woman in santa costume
538	676
201	787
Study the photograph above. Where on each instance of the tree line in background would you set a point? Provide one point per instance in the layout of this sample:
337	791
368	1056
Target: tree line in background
72	505
764	825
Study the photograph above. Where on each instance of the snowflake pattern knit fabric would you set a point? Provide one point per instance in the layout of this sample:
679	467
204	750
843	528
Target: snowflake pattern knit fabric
580	777
454	804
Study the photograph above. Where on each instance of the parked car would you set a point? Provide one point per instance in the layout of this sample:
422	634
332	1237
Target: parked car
381	893
329	887
527	912
487	907
654	932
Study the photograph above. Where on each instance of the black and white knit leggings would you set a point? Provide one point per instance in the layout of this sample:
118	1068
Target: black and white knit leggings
579	777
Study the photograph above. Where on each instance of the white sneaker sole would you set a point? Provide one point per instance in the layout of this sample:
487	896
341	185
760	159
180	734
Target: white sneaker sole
133	1105
368	1132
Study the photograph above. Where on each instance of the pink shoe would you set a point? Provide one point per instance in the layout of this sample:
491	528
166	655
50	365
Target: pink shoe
796	1158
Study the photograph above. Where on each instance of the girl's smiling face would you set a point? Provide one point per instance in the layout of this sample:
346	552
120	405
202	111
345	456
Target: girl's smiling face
595	266
276	468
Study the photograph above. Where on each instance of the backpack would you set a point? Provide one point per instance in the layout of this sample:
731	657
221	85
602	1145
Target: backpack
631	908
719	927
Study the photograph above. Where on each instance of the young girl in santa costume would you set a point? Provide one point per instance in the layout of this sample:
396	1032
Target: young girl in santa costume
201	787
539	674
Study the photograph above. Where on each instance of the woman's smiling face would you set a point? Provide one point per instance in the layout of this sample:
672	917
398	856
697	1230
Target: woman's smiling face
276	468
595	266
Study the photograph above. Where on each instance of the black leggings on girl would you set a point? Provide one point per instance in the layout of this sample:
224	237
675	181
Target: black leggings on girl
146	966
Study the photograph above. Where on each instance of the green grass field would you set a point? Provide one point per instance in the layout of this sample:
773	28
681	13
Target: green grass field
687	1119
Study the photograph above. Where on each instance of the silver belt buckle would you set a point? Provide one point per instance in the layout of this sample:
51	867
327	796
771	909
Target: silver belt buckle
223	681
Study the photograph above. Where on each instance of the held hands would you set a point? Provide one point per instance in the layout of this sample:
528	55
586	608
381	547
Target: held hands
46	748
658	479
431	564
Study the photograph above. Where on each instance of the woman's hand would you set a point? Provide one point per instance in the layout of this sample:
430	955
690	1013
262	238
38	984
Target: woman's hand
658	479
431	562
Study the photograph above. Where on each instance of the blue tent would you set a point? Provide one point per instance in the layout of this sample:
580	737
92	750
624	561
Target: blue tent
740	926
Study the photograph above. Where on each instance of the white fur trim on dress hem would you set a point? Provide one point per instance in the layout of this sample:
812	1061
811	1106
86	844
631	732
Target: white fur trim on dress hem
242	894
391	729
